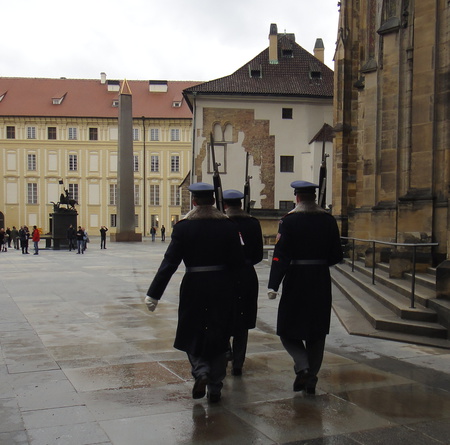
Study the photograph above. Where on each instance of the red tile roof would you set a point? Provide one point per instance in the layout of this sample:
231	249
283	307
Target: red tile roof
290	77
87	98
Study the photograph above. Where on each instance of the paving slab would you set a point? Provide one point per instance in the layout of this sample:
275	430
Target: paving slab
82	361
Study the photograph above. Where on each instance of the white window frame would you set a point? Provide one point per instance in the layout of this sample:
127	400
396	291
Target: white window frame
174	195
137	195
73	191
31	162
154	195
154	134
112	194
72	133
175	134
32	193
31	132
135	163
113	220
135	134
175	163
154	163
73	162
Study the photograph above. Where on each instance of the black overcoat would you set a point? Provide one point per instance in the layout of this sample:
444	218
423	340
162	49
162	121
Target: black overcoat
307	233
252	240
207	299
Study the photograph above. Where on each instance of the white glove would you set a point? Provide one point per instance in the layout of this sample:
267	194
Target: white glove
272	294
151	303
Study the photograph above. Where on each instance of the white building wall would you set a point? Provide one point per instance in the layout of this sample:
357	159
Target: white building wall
292	137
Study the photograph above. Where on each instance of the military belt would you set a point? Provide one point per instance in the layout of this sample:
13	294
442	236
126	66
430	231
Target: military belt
205	268
308	262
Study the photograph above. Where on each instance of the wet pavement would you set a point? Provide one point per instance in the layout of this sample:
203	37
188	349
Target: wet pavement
84	362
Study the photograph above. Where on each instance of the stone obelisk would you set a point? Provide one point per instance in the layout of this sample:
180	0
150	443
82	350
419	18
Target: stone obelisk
125	230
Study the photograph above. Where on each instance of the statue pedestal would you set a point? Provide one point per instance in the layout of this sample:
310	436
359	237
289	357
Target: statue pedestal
60	223
126	237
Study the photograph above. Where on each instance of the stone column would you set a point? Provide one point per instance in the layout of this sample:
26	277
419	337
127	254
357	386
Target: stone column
125	174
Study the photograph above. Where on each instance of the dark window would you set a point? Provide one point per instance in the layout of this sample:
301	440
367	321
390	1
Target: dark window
286	163
10	132
315	75
287	53
286	205
51	132
286	113
93	134
73	163
255	73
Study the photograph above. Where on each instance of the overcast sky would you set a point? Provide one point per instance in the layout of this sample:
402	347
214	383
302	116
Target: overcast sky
148	39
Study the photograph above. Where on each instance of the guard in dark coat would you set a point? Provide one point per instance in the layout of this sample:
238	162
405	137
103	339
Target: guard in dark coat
247	304
308	242
208	243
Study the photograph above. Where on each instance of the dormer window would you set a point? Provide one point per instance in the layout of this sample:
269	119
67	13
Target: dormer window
115	103
315	71
287	53
113	85
255	72
158	86
2	96
58	100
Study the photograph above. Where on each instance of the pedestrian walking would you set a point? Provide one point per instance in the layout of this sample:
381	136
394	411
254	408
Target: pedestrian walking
85	238
15	237
103	230
8	237
208	244
71	237
308	243
153	233
80	240
36	237
163	233
3	240
24	235
247	304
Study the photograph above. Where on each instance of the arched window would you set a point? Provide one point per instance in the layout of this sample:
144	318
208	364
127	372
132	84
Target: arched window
228	133
218	135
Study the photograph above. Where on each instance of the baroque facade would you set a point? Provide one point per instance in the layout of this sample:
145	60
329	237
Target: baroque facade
392	121
62	134
272	109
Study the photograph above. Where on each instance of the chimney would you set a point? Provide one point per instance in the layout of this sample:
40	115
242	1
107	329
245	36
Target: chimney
273	44
102	78
319	50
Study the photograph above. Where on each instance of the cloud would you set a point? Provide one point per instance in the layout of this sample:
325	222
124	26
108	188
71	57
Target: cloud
149	39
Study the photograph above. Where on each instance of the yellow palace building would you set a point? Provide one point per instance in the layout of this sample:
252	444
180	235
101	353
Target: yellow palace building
62	134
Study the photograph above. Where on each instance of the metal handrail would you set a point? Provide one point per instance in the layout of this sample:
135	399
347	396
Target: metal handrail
373	242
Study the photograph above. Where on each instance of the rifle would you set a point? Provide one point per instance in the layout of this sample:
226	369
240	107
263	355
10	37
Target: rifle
216	178
323	178
247	186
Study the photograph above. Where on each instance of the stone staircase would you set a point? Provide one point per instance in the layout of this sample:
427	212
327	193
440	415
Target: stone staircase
383	309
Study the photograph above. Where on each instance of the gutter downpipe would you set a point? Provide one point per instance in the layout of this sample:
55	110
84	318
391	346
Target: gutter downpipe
194	123
144	173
